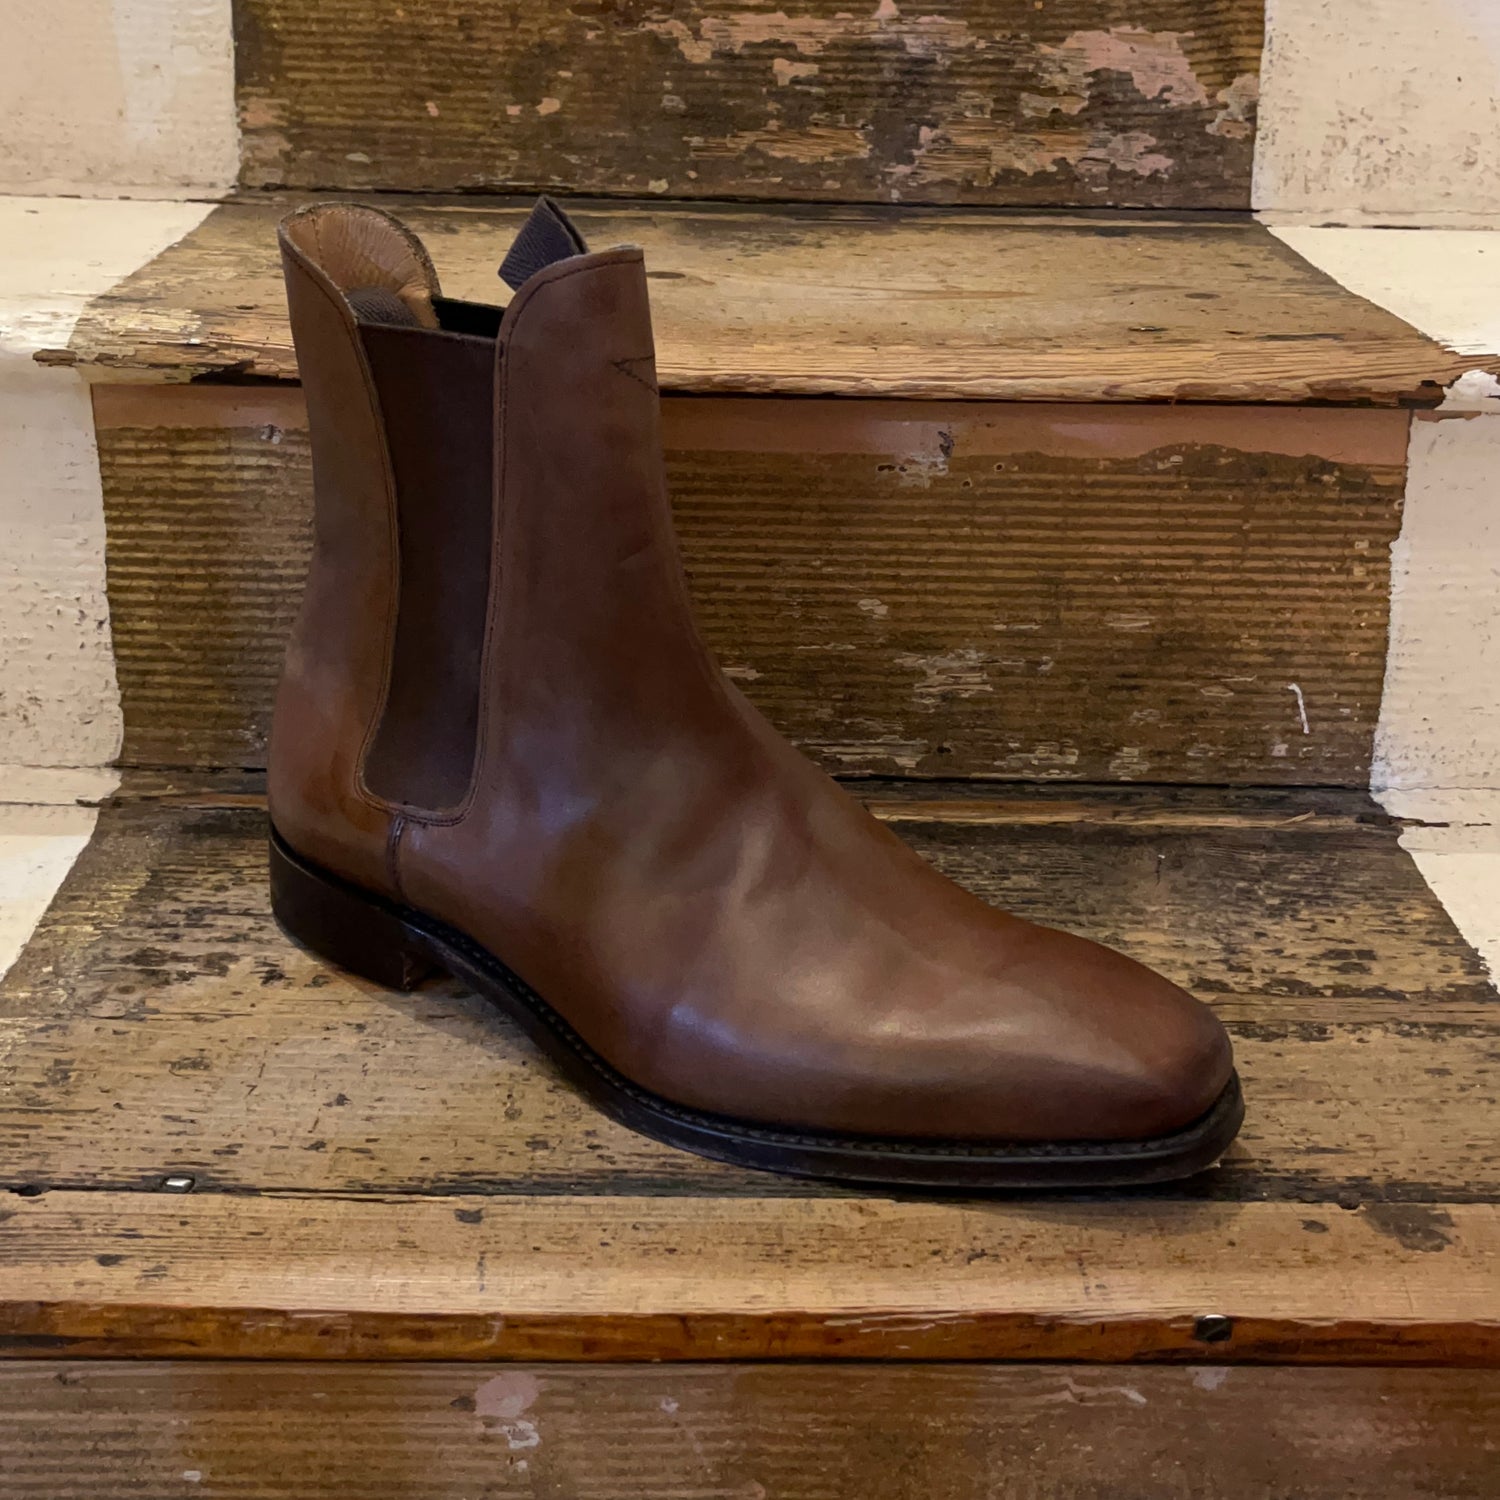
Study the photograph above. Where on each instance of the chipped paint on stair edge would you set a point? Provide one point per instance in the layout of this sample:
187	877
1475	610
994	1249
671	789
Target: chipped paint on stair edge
1437	741
47	816
59	702
1380	112
60	719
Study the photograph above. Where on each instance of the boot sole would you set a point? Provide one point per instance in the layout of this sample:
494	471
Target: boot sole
400	948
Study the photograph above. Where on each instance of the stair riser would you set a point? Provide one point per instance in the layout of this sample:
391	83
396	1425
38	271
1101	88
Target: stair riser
796	1432
1132	102
1090	593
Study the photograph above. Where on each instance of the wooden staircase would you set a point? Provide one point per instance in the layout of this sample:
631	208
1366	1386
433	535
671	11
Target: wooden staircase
1019	478
1112	485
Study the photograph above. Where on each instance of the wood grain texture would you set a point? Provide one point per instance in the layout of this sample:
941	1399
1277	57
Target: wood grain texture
812	1432
161	1275
1148	102
946	590
855	303
399	1177
159	1023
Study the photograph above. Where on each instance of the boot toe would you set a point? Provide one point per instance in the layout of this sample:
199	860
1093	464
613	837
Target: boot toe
1118	1051
1168	1077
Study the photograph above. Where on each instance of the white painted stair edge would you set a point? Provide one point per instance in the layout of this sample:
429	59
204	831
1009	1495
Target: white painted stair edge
1438	741
60	721
1370	111
1437	744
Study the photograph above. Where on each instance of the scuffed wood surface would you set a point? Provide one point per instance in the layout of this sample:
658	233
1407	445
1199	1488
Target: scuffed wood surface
158	1022
945	590
812	1432
386	1176
640	1432
159	1275
1094	102
855	303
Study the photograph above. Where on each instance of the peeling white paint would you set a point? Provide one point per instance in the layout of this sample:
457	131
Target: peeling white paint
1129	763
955	674
1296	691
786	70
1437	743
1443	807
501	1401
37	848
1440	713
58	254
62	786
1233	120
506	1396
807	35
1380	111
59	704
519	1434
1467	882
1456	847
1123	151
118	97
1474	390
938	37
1444	281
44	827
1439	729
1155	62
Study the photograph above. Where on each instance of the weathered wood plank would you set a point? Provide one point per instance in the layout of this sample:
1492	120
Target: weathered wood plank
160	1275
810	1432
953	590
1147	102
857	303
159	1023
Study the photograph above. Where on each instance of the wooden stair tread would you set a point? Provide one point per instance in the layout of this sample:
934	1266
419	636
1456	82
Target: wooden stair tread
268	1431
407	1167
625	1277
850	302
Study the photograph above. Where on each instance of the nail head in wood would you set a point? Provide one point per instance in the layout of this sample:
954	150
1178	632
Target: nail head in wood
1212	1328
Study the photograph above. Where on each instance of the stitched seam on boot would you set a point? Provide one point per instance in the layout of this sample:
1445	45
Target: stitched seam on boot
624	366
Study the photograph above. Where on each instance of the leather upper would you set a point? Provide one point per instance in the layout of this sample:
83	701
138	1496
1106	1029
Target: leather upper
709	911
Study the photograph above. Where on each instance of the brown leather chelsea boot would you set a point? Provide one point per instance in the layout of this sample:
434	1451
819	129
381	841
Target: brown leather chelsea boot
502	751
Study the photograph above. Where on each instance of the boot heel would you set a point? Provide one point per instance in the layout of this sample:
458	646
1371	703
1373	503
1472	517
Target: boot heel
351	930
